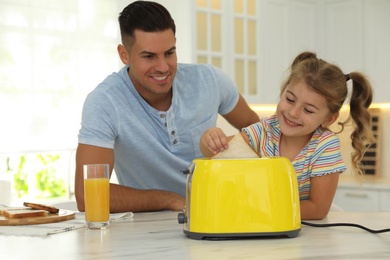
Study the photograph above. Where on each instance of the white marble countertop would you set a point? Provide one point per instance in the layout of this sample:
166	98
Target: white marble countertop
158	235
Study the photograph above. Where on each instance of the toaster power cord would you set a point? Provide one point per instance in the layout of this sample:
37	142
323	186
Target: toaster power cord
346	225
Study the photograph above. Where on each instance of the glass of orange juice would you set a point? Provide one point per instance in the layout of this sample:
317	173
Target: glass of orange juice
97	195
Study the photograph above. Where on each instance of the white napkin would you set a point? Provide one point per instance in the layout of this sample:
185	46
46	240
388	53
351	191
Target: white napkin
59	227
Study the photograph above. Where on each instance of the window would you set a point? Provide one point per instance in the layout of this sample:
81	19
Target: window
53	53
227	37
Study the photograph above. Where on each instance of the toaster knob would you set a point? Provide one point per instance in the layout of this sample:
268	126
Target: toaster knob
181	218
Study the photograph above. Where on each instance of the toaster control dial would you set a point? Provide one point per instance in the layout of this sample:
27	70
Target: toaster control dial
181	218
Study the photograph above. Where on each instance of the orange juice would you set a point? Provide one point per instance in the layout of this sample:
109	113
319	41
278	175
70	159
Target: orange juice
97	199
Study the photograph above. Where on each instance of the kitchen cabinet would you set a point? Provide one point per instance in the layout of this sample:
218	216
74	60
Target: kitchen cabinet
357	199
343	31
385	201
367	197
377	46
350	33
280	29
356	37
286	29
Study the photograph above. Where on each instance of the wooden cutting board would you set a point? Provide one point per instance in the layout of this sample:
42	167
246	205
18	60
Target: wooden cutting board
62	215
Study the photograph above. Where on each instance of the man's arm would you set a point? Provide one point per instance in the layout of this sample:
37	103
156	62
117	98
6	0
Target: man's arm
122	198
241	115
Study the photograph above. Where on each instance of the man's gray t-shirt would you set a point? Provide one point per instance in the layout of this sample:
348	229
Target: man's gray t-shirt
151	147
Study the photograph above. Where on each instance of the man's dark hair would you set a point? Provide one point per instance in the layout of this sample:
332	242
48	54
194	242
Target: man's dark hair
146	16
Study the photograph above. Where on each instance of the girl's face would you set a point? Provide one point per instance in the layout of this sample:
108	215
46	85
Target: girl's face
301	111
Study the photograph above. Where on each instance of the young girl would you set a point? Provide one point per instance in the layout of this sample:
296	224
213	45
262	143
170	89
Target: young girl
310	101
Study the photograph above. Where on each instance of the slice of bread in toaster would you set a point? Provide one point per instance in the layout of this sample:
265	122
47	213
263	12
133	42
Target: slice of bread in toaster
238	148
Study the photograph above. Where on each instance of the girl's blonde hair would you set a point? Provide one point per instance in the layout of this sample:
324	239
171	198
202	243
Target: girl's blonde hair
330	82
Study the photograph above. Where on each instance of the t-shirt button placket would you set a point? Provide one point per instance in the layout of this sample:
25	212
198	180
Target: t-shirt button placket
162	116
173	133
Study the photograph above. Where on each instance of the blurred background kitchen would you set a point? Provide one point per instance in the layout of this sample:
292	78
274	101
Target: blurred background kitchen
53	53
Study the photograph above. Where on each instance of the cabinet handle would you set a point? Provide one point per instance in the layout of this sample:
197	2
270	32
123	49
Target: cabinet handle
356	195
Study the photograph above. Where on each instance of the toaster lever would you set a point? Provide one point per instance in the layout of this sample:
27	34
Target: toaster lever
189	170
181	218
186	171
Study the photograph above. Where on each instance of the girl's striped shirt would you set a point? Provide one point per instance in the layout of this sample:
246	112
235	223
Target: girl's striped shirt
319	157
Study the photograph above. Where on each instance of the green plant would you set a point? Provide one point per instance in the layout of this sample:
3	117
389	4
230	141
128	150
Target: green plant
20	179
47	182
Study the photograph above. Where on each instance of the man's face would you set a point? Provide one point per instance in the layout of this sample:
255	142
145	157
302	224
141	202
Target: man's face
152	62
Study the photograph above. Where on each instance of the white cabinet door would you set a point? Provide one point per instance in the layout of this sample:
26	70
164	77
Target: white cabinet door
343	34
357	199
377	46
287	28
385	200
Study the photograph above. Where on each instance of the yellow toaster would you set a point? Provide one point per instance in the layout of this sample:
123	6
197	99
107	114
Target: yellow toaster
233	198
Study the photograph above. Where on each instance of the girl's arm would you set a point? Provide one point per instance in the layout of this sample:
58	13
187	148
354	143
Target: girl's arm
322	191
213	141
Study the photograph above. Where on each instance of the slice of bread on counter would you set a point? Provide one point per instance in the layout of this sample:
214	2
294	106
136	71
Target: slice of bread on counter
238	148
4	208
24	213
29	210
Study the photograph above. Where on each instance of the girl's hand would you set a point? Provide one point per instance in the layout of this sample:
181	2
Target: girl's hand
213	141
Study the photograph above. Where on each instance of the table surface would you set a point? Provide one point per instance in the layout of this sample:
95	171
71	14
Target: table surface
158	235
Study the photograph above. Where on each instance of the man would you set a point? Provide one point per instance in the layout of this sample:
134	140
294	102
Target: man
146	120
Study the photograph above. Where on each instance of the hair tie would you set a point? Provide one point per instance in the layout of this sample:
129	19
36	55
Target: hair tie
347	77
